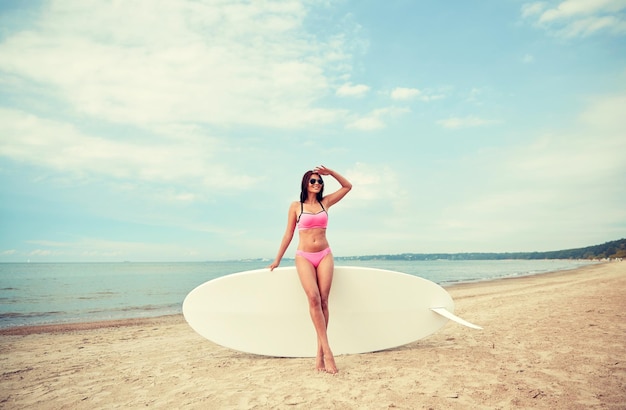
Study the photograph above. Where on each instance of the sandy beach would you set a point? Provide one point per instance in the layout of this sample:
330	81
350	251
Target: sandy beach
551	341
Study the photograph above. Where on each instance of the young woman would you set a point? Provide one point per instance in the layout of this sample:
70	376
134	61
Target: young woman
314	260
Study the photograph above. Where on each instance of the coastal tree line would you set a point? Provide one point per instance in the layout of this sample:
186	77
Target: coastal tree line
608	250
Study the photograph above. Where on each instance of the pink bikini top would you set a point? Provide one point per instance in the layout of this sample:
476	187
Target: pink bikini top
308	220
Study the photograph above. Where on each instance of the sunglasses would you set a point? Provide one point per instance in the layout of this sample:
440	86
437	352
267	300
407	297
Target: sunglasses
316	181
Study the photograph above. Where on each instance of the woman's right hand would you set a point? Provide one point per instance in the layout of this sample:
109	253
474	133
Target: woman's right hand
273	265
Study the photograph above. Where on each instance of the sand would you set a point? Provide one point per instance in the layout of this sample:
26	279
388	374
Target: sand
552	341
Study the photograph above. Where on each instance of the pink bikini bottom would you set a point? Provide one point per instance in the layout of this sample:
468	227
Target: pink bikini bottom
314	257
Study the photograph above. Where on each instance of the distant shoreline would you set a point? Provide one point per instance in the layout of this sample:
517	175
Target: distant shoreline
613	250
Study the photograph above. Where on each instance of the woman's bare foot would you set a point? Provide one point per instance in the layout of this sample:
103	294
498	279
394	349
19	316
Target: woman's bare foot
331	367
320	365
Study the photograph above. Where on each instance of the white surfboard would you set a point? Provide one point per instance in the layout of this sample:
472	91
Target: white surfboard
266	312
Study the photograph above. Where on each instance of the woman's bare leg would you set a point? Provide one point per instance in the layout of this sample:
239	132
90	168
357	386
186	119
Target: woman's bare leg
325	272
316	285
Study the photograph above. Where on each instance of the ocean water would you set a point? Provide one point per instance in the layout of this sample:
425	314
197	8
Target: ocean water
46	293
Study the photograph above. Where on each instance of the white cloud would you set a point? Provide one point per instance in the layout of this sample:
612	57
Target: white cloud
578	18
432	97
587	26
62	147
406	94
43	252
572	8
370	123
607	112
528	58
376	119
532	9
375	183
401	93
464	122
149	63
475	96
103	249
349	90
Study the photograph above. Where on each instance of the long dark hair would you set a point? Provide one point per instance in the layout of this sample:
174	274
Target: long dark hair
304	191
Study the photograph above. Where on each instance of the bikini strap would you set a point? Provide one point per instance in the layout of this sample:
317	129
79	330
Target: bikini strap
301	211
323	209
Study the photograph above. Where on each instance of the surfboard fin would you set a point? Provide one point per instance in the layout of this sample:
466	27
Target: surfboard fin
449	315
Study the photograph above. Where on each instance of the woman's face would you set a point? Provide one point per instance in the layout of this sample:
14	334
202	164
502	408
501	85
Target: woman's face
317	184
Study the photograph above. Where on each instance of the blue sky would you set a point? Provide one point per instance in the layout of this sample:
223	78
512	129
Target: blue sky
179	130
